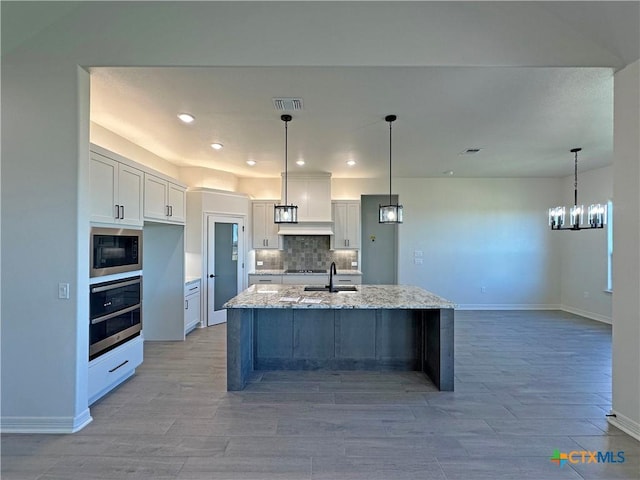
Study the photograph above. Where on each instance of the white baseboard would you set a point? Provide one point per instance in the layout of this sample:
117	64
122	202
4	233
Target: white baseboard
45	424
584	313
506	306
625	424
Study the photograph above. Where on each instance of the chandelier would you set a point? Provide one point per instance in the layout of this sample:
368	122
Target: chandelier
596	214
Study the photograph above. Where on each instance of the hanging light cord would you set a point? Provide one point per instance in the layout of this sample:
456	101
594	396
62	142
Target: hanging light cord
286	162
575	176
390	162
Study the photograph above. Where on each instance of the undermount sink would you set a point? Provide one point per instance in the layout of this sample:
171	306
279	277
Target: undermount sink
336	288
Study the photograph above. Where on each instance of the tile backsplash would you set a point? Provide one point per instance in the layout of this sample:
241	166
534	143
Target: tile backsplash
305	252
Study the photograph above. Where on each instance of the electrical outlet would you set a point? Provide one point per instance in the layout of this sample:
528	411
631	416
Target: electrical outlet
63	291
417	253
483	289
417	261
259	263
354	264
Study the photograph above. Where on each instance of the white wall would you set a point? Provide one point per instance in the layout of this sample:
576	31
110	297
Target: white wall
478	233
202	202
626	260
584	253
198	177
120	145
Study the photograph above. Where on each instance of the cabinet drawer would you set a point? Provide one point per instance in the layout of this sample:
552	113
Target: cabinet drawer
109	370
264	279
347	279
192	288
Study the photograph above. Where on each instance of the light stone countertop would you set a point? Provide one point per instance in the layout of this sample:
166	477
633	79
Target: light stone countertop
367	296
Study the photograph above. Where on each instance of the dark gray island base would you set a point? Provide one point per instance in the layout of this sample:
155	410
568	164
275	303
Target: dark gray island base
377	328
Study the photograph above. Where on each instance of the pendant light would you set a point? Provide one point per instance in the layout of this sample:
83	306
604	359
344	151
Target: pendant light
391	213
285	213
596	215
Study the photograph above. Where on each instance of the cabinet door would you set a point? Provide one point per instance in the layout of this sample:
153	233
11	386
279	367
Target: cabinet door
155	198
176	203
340	225
353	225
104	176
130	184
191	312
259	225
265	232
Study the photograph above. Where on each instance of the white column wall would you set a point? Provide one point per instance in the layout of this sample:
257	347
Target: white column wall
626	256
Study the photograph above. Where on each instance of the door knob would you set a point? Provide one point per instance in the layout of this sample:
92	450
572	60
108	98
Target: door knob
211	276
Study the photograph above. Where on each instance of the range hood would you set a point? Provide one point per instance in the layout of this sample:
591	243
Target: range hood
311	192
306	228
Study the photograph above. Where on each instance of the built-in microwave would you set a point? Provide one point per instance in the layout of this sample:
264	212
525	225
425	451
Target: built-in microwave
115	250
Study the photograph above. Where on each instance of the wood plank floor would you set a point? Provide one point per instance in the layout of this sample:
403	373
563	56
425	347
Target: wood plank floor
527	383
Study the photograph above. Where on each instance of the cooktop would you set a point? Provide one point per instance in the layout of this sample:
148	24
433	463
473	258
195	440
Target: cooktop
305	270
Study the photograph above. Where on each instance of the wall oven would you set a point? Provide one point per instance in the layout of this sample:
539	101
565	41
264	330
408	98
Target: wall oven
116	314
115	250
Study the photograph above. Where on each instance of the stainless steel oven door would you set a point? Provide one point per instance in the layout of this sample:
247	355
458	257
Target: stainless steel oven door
116	314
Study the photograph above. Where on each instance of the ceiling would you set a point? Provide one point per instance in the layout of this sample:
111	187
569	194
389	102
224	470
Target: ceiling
523	119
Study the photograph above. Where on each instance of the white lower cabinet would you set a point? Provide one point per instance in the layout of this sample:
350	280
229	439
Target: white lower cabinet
111	369
191	305
293	279
347	279
264	279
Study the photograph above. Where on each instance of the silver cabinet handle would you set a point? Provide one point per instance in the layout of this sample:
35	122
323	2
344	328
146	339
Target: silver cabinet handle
166	210
121	365
114	314
117	211
122	214
193	288
115	285
186	304
171	210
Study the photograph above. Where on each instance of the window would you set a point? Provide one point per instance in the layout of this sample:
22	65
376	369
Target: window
610	246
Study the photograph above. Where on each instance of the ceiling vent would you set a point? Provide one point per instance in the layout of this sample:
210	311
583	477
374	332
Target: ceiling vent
470	151
287	104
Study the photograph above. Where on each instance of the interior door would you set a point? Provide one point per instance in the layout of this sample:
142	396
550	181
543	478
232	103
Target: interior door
379	251
225	247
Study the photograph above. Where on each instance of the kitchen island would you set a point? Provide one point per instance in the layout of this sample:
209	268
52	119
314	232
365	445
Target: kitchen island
376	327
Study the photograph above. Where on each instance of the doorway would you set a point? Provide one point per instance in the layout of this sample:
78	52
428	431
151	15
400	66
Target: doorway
225	264
379	262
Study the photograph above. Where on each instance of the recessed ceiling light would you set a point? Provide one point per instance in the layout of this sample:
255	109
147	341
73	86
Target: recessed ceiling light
251	163
351	163
186	117
300	162
216	146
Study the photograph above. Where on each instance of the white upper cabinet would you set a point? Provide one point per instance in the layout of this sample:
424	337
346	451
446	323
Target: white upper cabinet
346	225
312	194
163	200
116	192
264	231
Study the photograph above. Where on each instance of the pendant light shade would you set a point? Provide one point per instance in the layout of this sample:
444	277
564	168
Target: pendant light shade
391	213
579	218
285	213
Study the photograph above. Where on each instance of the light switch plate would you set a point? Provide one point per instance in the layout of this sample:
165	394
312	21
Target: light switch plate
63	291
417	253
417	261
